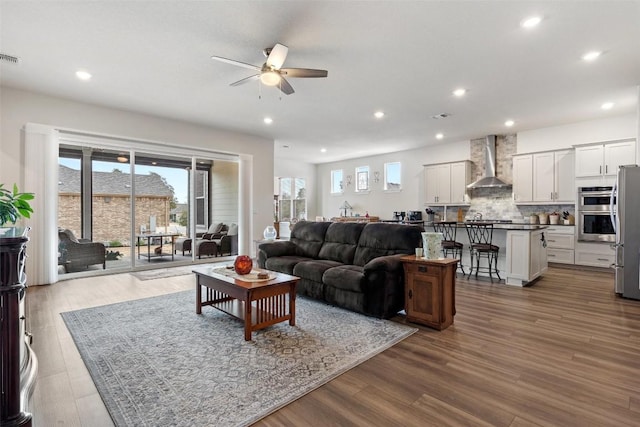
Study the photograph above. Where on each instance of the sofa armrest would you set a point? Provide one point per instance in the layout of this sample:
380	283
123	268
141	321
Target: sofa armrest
274	249
389	263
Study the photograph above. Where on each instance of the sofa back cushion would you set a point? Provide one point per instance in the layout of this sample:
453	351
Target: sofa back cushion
308	237
380	239
341	241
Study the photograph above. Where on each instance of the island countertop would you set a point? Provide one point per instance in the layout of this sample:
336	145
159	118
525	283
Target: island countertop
500	225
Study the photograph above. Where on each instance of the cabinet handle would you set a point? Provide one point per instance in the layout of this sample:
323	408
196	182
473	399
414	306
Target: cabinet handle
551	195
551	256
600	169
606	169
602	259
410	294
549	240
422	269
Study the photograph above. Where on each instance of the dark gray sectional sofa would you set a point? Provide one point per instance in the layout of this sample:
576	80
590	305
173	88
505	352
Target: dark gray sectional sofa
351	265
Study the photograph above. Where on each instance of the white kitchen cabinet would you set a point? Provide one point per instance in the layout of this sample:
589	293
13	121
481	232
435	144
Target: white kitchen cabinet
523	178
526	256
594	254
553	176
546	177
446	183
560	244
603	159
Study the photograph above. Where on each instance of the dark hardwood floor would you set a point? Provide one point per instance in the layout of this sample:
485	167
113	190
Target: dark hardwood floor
563	352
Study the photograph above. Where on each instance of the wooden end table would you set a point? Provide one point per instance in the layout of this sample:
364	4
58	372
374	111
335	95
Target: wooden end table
430	290
258	304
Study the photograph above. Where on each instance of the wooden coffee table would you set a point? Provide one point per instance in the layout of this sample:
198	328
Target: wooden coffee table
258	304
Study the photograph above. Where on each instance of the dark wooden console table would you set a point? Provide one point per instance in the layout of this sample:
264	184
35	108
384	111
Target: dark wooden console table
17	358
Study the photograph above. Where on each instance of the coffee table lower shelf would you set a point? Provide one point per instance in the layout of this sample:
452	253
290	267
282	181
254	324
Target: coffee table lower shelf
258	305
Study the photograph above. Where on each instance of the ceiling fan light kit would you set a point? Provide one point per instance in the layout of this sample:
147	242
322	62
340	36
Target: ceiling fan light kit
271	73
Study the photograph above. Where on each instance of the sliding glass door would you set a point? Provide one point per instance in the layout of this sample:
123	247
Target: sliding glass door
141	209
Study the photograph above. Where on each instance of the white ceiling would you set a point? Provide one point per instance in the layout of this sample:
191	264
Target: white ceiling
402	57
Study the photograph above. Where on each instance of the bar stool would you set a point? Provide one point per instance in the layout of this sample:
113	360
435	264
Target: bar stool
449	244
480	241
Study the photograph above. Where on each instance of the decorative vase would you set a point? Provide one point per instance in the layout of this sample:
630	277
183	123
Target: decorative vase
432	245
243	264
270	232
553	219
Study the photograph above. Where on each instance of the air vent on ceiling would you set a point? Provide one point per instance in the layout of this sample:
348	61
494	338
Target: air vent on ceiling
9	58
440	116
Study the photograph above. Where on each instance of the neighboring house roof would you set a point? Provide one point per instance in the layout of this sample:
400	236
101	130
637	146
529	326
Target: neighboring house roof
115	182
180	207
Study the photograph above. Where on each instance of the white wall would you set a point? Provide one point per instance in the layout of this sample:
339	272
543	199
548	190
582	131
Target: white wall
288	168
378	202
18	107
565	136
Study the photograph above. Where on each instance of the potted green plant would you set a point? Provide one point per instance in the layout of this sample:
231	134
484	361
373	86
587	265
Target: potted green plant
14	205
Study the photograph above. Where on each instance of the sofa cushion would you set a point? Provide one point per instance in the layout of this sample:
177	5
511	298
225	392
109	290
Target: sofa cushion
346	277
233	230
380	239
308	237
314	269
340	242
284	264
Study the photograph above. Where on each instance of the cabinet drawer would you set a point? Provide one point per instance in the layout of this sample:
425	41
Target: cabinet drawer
561	229
562	256
561	241
423	270
594	259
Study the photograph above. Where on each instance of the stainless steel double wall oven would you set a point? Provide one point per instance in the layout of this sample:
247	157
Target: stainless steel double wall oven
595	205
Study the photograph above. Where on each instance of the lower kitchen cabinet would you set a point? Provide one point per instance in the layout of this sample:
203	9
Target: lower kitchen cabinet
561	244
430	290
526	256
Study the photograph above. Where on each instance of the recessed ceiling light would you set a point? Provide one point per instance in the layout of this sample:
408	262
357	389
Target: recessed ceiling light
379	114
590	56
83	75
607	105
268	120
323	150
459	92
509	123
439	136
530	22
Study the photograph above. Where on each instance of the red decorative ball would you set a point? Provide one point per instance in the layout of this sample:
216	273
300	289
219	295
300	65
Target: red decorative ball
243	264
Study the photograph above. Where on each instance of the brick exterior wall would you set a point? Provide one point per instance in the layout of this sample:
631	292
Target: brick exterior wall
111	215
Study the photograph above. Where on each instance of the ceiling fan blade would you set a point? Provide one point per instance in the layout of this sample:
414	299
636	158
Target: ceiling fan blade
238	63
246	80
303	72
277	56
285	87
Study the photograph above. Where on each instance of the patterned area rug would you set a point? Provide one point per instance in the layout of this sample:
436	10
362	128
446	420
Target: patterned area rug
155	362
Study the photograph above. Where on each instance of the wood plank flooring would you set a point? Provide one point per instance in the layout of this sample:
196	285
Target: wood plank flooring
563	352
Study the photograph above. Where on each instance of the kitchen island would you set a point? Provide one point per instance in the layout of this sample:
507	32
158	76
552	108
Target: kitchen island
523	252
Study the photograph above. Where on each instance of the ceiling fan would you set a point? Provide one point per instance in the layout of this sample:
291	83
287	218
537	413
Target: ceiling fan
271	73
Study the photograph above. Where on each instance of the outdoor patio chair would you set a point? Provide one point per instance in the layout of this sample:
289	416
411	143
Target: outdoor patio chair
75	253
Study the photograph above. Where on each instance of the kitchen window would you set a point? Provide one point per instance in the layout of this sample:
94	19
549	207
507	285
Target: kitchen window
393	176
337	186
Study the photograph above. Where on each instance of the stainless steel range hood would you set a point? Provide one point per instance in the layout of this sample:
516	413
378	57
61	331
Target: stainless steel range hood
489	180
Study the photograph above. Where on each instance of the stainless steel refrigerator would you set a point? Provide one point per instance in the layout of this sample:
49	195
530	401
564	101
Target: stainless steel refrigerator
626	221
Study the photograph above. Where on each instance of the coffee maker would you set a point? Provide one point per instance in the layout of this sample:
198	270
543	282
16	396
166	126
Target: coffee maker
398	215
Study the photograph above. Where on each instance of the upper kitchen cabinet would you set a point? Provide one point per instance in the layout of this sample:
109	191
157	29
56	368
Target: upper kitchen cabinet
603	159
446	183
523	178
553	177
546	177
